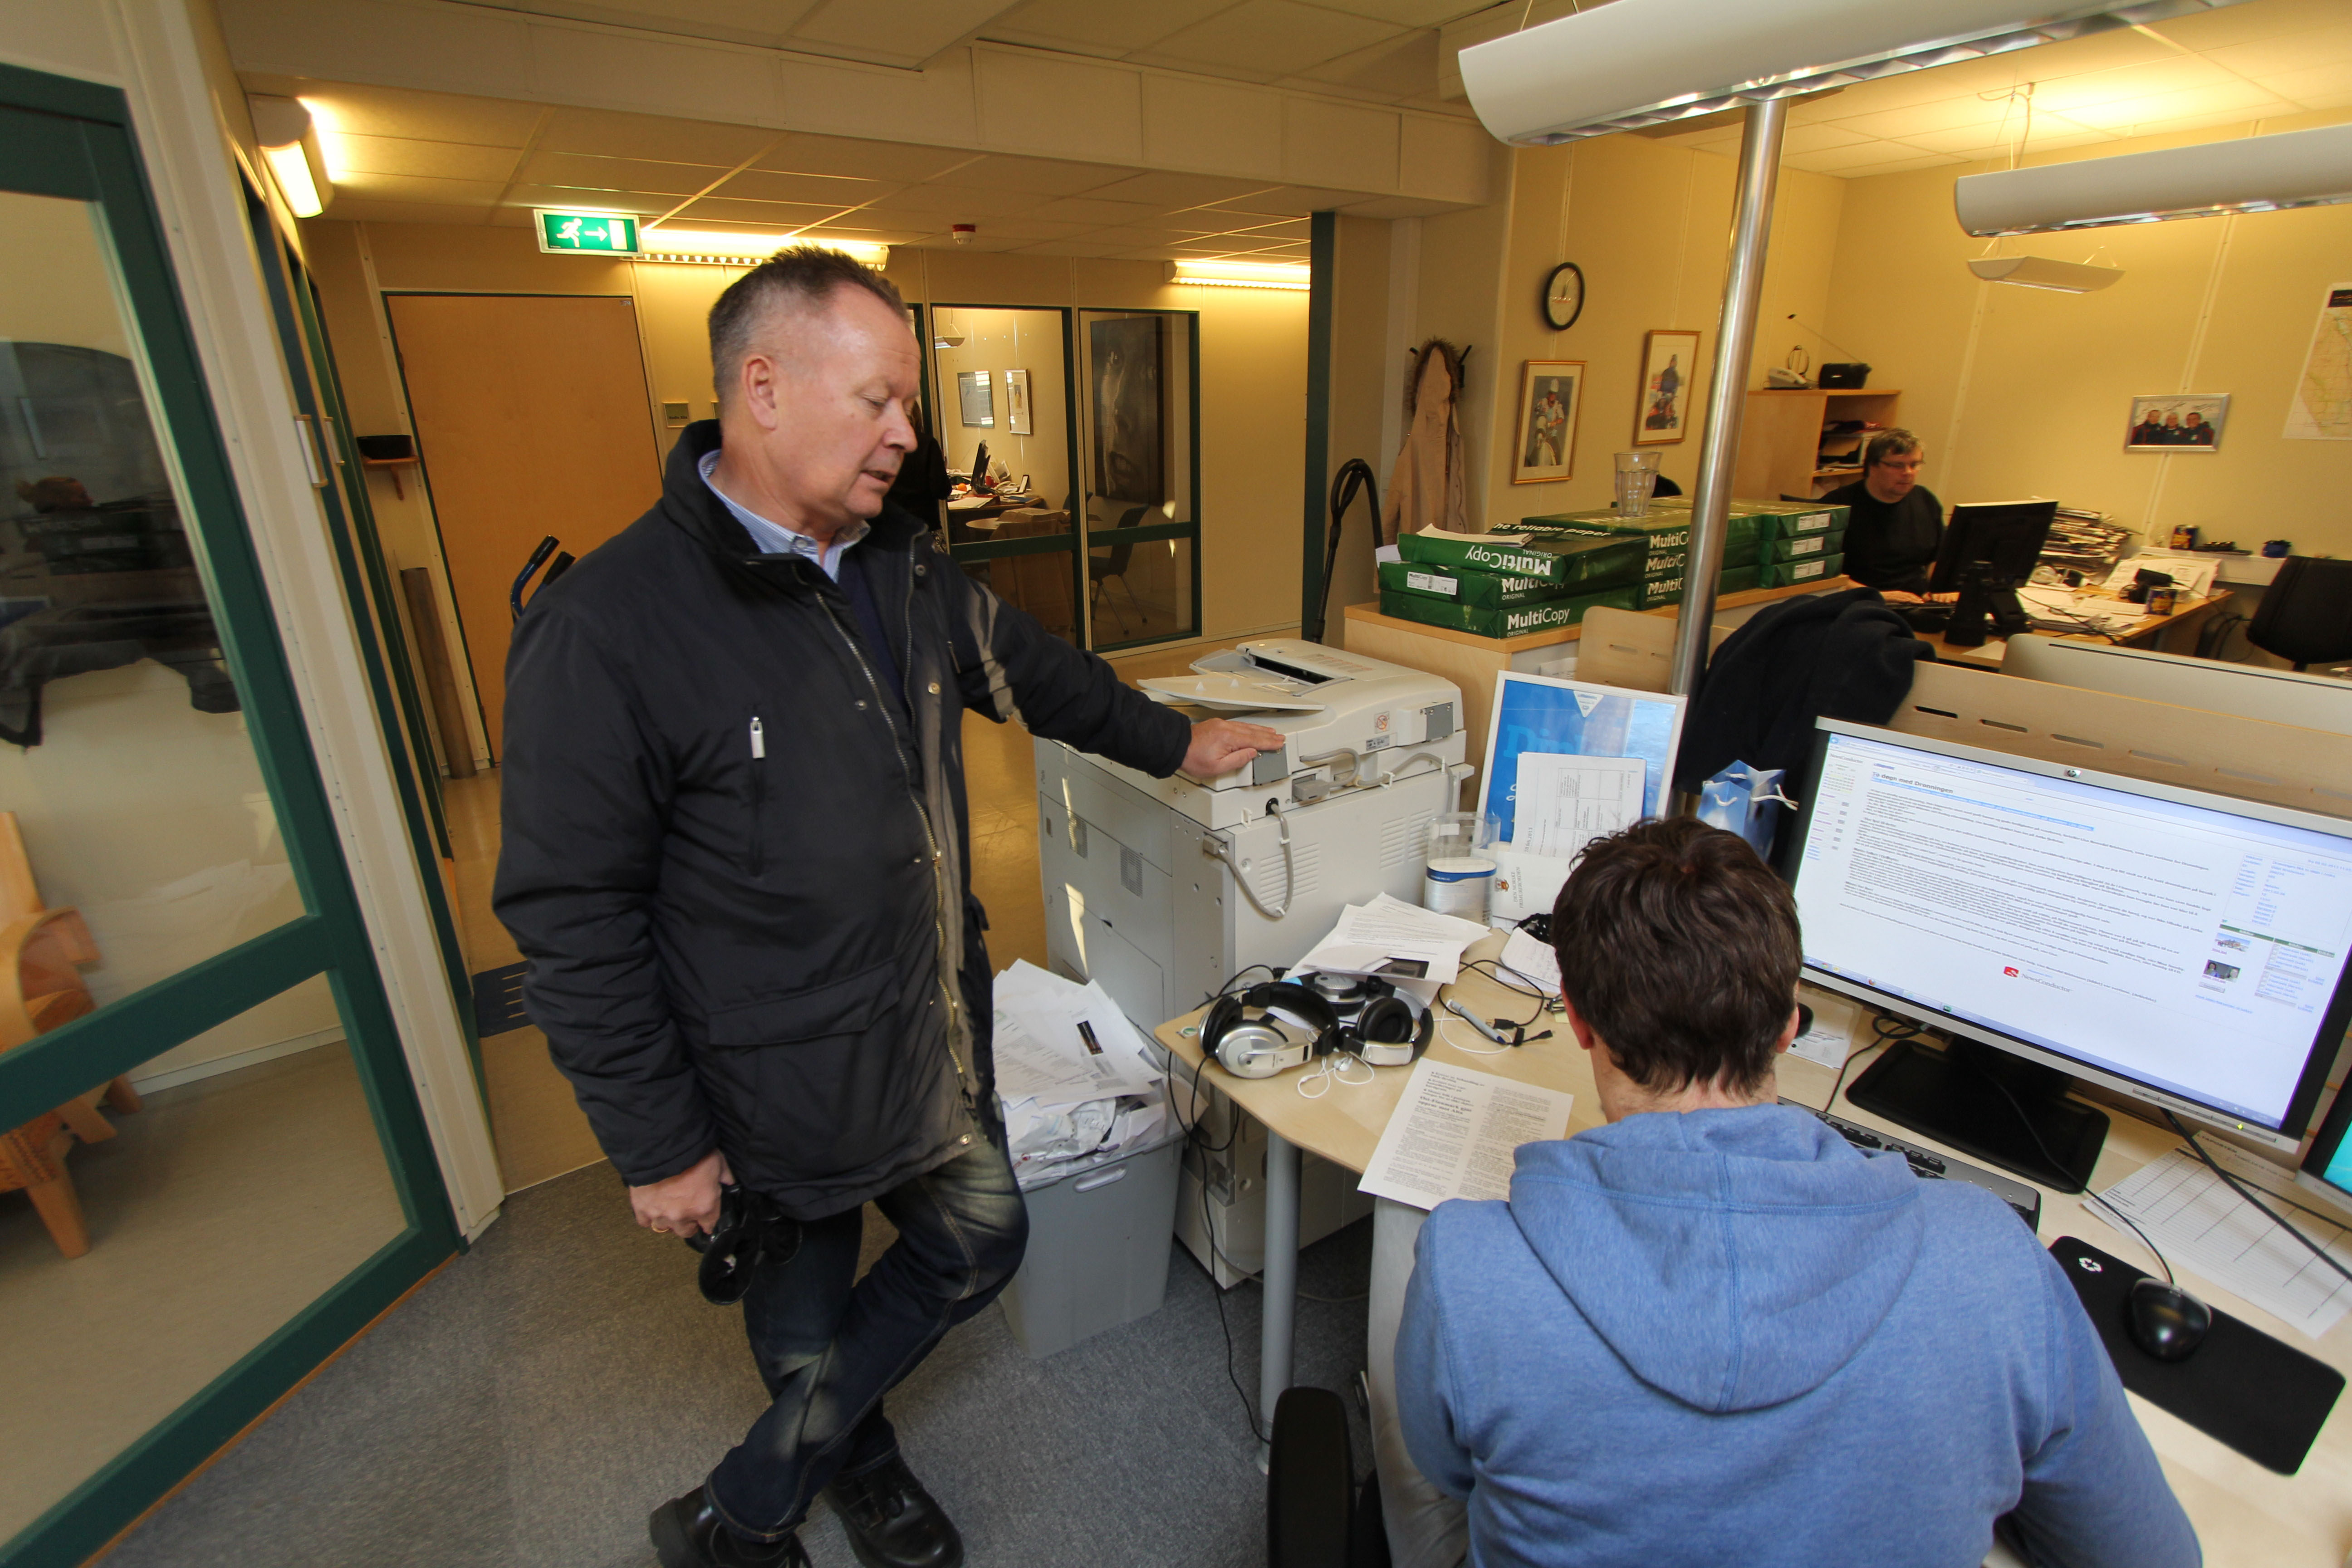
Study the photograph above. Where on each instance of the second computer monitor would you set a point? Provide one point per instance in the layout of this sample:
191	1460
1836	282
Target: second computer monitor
2005	535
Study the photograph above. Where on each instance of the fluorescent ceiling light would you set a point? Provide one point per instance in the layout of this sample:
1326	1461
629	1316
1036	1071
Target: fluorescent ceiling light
289	145
746	249
1633	63
1242	274
2249	174
2040	272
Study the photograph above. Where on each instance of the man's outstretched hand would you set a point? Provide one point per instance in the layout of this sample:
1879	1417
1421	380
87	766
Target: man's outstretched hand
686	1204
1221	745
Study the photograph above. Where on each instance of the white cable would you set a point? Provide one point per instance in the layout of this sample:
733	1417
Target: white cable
1214	848
1481	1051
1335	1069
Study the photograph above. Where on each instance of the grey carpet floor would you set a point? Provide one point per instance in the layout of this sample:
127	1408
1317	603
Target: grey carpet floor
528	1406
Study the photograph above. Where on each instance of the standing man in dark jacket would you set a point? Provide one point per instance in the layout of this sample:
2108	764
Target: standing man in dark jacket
734	853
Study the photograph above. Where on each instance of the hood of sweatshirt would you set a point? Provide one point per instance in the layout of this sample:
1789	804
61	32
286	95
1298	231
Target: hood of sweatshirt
1732	1260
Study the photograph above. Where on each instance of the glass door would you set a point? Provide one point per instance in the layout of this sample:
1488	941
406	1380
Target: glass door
1000	380
1140	476
214	1170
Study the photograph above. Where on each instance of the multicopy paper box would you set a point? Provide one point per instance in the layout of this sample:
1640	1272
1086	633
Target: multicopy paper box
1668	590
1803	546
1515	621
1588	562
1480	590
1667	535
1813	569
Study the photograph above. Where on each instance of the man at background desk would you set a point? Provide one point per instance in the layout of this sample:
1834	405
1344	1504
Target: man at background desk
1895	523
1712	1331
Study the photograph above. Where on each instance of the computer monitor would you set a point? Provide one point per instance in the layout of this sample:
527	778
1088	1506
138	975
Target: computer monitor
1989	550
2217	686
2181	948
2327	1169
979	467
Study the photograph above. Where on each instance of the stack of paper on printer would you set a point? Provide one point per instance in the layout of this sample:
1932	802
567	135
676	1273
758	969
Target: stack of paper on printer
1413	948
1077	1084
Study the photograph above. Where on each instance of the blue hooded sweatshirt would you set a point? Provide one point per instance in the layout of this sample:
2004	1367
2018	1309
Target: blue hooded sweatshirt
1729	1337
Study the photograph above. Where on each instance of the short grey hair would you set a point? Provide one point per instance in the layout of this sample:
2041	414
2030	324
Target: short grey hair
800	277
1892	442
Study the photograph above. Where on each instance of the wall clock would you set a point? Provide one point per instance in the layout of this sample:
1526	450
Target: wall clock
1563	296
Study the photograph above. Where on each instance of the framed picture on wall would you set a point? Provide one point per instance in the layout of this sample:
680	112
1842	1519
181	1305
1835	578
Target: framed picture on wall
1016	403
1552	396
2184	421
1663	416
974	398
1130	420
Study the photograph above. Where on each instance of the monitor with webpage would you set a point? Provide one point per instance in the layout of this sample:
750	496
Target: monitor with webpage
2181	948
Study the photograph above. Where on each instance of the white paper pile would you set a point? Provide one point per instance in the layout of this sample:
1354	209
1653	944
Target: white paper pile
1071	1095
1413	948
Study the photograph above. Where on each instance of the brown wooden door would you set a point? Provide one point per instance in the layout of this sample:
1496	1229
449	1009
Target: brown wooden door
532	419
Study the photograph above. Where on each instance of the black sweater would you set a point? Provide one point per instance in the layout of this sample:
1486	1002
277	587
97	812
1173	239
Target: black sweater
769	947
1890	546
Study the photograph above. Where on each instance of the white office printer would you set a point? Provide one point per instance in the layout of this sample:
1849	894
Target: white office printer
1164	890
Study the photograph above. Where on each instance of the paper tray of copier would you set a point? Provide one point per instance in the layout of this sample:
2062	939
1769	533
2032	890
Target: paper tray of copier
1362	707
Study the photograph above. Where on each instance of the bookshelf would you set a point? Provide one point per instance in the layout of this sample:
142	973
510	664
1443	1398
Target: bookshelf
1783	439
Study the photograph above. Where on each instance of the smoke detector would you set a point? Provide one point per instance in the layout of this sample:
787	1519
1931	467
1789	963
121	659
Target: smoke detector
963	232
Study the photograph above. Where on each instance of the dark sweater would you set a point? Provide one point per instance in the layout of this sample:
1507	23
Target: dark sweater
1890	546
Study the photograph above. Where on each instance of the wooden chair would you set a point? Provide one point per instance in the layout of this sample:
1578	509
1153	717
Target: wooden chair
41	952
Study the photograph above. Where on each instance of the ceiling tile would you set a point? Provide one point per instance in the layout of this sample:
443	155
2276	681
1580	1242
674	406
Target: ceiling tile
1022	230
760	22
650	136
2170	110
1289	200
1819	138
761	185
904	32
1276	37
400	111
956	202
1430	14
585	173
1388	69
417	188
2267	57
2322	87
1044	175
1069	23
775	214
1396	208
1288	228
1173	193
1089	209
591	201
1921	118
1858	155
363	209
2236	24
857	159
2149	79
349	154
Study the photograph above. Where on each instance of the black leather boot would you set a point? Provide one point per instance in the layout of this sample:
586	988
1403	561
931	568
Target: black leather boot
891	1521
688	1533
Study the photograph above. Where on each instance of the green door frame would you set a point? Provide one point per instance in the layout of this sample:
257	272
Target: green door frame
71	138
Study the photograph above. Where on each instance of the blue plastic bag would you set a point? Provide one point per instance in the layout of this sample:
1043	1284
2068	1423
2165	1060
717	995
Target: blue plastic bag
1746	801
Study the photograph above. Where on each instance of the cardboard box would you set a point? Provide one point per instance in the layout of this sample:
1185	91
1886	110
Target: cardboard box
1660	590
1814	569
1803	546
1795	518
1516	621
1667	535
1588	560
1480	590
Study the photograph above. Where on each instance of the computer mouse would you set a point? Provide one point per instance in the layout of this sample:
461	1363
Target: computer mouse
2167	1322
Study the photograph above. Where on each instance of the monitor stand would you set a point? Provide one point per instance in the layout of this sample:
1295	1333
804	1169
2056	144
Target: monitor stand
1954	1095
1988	606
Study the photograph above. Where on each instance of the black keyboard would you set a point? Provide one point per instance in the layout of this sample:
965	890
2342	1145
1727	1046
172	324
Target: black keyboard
2023	1198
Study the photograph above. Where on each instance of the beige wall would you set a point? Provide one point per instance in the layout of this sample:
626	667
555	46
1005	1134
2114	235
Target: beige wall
1650	227
993	343
2019	392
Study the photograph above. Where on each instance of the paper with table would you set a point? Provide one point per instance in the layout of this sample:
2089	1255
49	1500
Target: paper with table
1456	1134
1413	948
2203	1225
1075	1080
1566	802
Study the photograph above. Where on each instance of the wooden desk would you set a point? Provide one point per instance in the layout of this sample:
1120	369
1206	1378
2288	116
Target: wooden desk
1472	661
2167	634
2245	1516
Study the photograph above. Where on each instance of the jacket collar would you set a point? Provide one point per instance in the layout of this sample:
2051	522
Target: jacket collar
689	503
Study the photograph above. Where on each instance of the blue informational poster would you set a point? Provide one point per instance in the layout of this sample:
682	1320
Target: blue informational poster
1549	719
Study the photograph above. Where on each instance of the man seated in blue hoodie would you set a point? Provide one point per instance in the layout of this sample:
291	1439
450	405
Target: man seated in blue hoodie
1712	1331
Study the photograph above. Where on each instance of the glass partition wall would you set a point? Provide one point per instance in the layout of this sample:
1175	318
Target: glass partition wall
213	1166
1090	521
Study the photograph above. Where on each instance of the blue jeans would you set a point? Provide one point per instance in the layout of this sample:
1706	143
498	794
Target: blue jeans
829	1346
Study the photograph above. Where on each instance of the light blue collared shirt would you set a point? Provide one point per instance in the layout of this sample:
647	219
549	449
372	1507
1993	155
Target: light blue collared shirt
774	538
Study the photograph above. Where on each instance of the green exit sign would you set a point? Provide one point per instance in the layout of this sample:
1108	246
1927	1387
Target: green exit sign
601	234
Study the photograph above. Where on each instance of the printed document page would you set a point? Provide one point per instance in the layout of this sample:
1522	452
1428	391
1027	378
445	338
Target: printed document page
1457	1135
1396	941
1564	803
2204	1226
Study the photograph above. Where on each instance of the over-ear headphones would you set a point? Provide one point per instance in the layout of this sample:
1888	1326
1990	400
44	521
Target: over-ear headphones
1269	1028
1389	1034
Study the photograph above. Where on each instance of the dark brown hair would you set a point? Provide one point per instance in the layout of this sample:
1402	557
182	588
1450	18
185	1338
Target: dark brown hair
1679	947
802	277
1892	442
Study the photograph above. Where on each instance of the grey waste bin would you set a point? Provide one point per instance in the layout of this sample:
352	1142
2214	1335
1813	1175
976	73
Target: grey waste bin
1097	1256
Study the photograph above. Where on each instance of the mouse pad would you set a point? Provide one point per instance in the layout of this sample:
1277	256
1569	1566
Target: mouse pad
2259	1395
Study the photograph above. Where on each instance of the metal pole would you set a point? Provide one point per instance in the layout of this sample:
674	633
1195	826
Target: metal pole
1727	395
1281	1292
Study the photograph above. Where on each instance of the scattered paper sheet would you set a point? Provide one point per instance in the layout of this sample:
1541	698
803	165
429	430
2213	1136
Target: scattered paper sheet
1457	1135
1563	802
1831	1040
2203	1225
1535	960
1396	941
1041	1054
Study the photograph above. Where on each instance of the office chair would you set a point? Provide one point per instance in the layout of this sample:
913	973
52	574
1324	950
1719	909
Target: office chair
2305	616
1316	1515
1100	569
